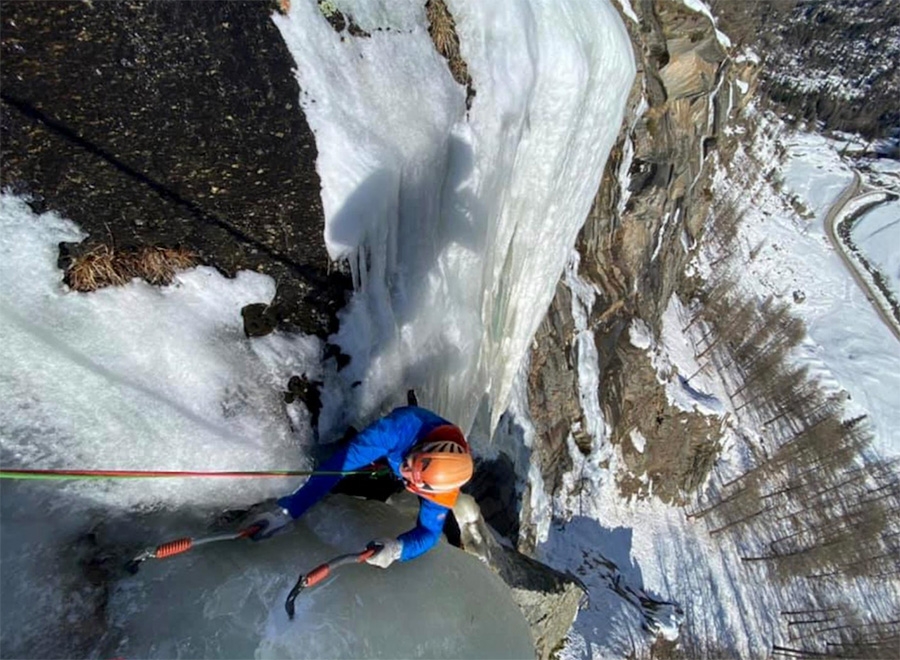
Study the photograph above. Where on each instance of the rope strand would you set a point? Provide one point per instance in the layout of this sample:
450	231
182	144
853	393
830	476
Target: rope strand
51	474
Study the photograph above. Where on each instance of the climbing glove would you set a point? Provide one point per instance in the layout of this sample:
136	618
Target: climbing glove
270	518
390	551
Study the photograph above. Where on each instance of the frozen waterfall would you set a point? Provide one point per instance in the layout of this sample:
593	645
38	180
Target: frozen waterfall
458	223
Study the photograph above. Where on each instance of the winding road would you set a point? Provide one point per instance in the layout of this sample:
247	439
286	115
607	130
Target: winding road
849	194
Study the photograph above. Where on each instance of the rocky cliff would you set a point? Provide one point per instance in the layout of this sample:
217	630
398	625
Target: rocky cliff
652	207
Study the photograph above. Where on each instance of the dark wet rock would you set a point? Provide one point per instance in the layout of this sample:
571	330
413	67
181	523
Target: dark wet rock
411	398
494	488
341	359
340	21
260	319
68	252
173	124
300	388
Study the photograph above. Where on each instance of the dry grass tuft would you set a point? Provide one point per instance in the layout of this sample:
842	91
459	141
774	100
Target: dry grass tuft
104	266
159	265
94	270
442	29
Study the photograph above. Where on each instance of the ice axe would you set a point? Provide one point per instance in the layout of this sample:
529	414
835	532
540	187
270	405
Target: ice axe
322	571
181	545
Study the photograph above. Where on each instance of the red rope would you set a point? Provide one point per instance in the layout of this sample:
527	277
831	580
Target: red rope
137	474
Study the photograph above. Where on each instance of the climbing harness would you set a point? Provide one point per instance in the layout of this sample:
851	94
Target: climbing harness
322	571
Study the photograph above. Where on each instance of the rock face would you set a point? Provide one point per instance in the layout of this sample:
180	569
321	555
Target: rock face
685	444
170	124
553	389
652	206
691	70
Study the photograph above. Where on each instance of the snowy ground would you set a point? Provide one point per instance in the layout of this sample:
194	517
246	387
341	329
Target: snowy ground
129	379
877	234
848	347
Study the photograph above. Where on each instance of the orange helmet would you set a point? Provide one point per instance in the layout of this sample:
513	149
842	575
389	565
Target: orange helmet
440	463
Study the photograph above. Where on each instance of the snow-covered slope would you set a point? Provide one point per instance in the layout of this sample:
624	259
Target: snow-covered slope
878	234
139	377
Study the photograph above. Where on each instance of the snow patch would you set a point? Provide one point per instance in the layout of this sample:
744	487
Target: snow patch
747	55
638	441
640	335
587	359
140	377
687	388
877	234
701	7
628	10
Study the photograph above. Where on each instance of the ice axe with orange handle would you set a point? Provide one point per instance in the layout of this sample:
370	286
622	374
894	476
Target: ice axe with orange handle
181	545
322	571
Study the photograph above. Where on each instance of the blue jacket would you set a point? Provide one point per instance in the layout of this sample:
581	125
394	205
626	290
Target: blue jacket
391	437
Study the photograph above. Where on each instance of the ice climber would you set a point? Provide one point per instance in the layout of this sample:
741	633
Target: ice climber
428	453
